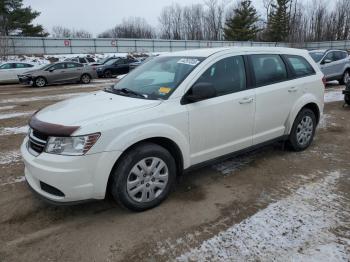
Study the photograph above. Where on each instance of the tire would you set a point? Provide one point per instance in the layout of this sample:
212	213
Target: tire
135	169
85	79
345	78
347	99
108	74
40	82
303	130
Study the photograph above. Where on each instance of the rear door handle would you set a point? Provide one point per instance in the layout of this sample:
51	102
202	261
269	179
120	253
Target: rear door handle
246	100
292	90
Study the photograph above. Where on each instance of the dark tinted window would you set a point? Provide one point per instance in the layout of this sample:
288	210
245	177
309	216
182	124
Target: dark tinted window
57	66
268	69
71	65
22	65
82	60
7	66
228	76
330	56
300	66
90	60
339	55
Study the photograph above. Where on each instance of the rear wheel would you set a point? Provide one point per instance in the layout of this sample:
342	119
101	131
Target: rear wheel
108	74
303	130
40	82
85	79
143	177
346	78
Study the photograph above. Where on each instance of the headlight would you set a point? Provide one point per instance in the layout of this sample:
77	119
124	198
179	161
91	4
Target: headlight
71	146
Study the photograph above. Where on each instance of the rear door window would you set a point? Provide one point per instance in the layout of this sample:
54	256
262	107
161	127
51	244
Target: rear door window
82	60
268	69
300	66
90	60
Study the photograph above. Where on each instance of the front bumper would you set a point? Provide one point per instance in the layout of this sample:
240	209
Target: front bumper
27	80
76	178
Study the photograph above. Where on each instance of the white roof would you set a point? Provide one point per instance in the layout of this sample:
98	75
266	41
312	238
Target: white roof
206	52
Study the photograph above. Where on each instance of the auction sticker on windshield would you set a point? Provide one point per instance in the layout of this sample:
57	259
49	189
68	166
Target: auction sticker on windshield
189	61
164	90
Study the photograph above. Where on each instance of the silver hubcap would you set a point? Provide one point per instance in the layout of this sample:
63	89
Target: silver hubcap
86	79
40	82
147	179
305	130
346	77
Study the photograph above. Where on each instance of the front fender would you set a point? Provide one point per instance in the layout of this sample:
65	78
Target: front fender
299	104
134	135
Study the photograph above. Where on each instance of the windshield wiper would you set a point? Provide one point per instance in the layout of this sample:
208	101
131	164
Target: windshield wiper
129	91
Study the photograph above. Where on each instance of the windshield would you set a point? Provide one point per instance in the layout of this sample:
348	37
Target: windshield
105	60
317	56
159	77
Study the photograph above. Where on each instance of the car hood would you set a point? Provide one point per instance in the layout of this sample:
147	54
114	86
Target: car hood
92	108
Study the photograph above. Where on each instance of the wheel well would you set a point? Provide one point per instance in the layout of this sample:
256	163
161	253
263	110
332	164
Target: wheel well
85	74
41	77
167	143
314	108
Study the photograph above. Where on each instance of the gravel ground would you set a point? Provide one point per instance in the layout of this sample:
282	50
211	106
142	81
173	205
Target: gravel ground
268	205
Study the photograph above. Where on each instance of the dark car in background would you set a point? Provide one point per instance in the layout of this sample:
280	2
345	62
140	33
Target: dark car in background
82	60
113	67
58	73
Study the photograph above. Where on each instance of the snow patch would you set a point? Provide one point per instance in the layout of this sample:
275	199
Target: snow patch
2	108
39	98
10	157
16	180
13	130
13	115
333	96
297	228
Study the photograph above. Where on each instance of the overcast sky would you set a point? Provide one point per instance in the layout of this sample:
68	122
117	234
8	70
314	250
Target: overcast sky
96	16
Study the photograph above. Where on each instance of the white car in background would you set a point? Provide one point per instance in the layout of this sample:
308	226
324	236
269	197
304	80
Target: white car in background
9	71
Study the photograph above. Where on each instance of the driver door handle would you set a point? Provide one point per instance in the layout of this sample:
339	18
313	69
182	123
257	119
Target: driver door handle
246	100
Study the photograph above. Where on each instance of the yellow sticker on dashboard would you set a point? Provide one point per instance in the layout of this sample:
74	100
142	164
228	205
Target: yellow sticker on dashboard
164	90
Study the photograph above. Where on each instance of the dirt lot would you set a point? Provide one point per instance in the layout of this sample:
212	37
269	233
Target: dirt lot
271	204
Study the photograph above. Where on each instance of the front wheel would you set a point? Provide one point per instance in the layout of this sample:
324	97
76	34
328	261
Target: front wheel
303	130
85	79
108	74
40	82
144	177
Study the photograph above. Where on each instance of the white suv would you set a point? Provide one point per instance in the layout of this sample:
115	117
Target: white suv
173	113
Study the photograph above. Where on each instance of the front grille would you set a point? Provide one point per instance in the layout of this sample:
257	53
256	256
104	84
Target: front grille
37	141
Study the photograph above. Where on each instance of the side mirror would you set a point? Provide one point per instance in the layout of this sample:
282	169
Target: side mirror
51	70
200	91
327	61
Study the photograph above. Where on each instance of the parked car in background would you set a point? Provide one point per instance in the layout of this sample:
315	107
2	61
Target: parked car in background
105	60
9	71
174	113
83	60
335	64
119	66
58	73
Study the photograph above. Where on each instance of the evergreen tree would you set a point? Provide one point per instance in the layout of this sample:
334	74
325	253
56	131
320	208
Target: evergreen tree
17	20
278	22
242	25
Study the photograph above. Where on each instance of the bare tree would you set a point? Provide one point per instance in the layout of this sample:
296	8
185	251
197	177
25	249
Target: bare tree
214	19
63	32
133	27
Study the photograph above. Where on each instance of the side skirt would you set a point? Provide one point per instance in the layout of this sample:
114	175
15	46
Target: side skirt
234	154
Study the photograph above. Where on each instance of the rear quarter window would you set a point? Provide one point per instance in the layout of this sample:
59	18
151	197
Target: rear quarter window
300	66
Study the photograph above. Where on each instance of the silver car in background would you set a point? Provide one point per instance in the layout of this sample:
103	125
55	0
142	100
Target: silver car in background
335	64
59	73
